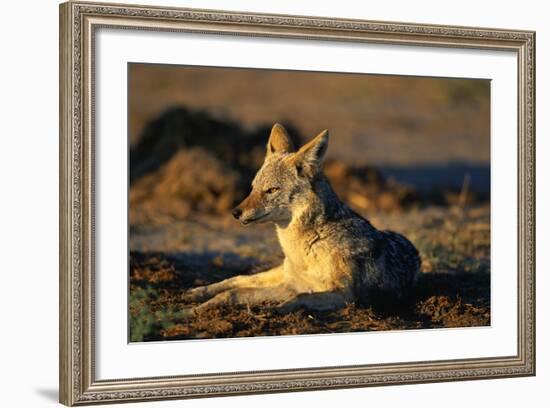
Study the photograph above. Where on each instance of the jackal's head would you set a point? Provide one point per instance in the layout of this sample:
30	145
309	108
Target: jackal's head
284	182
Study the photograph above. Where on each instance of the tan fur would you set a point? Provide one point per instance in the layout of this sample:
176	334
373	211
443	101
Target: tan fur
332	255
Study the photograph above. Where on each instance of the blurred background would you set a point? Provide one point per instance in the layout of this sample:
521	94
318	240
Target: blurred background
429	134
411	154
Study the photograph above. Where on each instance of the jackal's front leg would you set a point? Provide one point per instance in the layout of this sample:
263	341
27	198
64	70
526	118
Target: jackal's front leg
268	278
248	296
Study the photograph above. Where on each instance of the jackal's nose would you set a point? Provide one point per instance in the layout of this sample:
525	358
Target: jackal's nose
237	212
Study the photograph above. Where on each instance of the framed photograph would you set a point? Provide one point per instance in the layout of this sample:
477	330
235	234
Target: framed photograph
256	203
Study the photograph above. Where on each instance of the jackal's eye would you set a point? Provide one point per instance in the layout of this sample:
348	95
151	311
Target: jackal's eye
271	190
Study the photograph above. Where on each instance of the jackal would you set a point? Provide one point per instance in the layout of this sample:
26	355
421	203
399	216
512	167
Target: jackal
333	256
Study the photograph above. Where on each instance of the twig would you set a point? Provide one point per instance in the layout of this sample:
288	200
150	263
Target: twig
464	190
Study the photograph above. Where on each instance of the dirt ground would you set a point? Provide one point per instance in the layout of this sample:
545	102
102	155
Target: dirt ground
167	258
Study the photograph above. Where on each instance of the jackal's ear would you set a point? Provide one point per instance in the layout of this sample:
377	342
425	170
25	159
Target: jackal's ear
309	158
279	141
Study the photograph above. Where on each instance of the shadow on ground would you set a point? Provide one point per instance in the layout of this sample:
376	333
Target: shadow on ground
50	394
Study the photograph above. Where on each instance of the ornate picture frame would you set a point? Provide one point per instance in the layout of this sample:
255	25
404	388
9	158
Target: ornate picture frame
79	22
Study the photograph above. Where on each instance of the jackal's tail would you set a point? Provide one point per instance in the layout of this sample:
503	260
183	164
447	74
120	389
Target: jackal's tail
401	262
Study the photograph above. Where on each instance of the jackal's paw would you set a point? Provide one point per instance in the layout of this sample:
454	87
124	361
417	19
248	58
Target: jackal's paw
198	294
